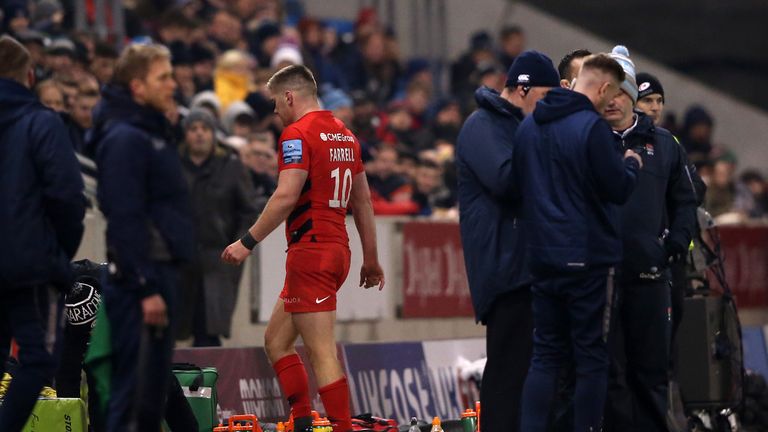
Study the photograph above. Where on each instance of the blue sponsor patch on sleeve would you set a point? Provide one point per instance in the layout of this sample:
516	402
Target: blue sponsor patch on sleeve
292	151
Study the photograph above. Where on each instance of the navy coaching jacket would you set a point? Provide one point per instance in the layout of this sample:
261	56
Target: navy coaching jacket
571	179
41	192
494	249
659	218
142	191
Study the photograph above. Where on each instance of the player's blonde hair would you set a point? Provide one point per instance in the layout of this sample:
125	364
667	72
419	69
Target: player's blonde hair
297	78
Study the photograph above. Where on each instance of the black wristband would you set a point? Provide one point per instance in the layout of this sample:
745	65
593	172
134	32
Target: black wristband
248	241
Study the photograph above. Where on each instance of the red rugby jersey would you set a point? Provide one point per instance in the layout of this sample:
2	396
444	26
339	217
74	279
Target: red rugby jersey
320	144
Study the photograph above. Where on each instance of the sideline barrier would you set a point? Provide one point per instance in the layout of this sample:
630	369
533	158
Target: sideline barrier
435	280
745	254
434	277
393	380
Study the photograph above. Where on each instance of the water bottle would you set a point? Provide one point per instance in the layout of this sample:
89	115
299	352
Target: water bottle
414	425
436	425
469	420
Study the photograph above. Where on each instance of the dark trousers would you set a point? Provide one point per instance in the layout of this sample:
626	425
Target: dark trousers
571	319
638	389
31	315
509	342
141	360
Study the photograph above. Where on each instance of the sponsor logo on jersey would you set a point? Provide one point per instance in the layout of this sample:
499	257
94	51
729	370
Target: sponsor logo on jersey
649	149
292	151
336	137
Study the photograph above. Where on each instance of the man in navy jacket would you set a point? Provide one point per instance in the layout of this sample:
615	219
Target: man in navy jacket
571	177
144	197
41	224
658	221
493	246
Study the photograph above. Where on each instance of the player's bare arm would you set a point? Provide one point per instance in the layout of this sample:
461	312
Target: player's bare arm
289	185
371	273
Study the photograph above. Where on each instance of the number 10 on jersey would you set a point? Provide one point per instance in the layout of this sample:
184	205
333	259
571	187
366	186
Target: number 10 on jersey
346	189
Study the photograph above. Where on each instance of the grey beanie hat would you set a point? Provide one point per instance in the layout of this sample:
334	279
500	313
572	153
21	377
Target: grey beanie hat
199	115
620	53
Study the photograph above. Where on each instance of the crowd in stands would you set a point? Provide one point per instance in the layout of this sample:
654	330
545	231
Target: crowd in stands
224	51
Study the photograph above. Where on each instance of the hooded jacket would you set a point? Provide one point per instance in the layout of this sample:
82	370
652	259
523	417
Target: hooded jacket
571	179
659	218
41	192
494	250
142	191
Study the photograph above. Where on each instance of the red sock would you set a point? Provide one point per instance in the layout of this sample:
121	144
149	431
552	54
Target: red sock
293	379
335	397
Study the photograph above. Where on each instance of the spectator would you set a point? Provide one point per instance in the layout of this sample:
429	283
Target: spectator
60	56
239	120
339	103
203	64
490	75
145	201
103	63
696	135
417	70
224	206
69	86
207	100
480	51
315	54
512	43
15	16
429	193
41	193
50	95
417	98
365	119
287	54
375	72
398	129
233	78
174	26
752	194
264	42
183	73
34	42
390	192
260	157
225	30
81	113
721	190
264	110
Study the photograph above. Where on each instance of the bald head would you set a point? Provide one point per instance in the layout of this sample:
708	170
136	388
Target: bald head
15	61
